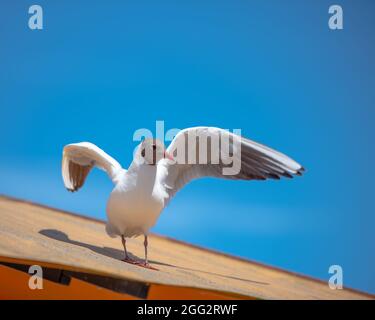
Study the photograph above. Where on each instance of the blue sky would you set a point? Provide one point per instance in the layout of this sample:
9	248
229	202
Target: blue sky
99	70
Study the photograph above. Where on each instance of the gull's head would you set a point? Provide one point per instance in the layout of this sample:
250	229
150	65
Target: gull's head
151	151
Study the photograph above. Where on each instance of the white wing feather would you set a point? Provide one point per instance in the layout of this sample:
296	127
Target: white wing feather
258	162
78	160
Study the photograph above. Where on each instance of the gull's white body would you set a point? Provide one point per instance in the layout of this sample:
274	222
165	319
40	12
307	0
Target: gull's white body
141	192
136	201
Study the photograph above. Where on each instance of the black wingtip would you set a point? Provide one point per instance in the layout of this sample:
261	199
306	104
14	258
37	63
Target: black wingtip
287	175
273	176
300	171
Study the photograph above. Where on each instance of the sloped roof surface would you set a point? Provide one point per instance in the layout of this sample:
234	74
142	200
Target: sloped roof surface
38	233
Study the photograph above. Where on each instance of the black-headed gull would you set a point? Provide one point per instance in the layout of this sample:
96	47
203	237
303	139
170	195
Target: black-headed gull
156	173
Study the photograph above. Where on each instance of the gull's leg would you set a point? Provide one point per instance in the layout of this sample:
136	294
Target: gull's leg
124	245
145	243
127	258
145	263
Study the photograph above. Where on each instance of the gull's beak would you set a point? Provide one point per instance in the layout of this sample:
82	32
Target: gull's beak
168	156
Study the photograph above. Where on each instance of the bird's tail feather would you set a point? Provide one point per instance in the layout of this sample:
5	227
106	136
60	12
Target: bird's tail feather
110	230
